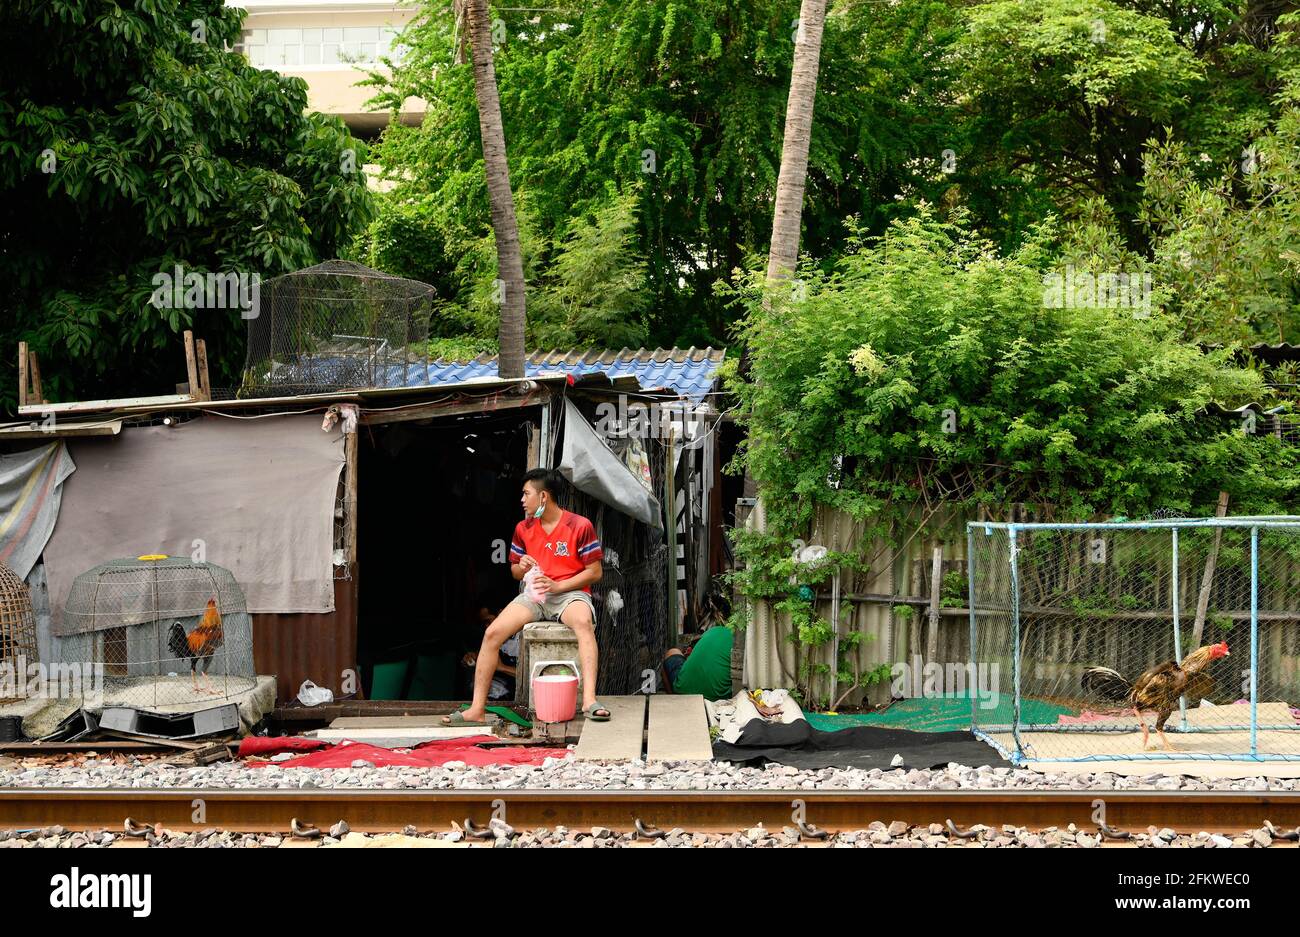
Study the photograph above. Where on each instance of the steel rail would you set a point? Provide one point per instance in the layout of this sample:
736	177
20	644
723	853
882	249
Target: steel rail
365	810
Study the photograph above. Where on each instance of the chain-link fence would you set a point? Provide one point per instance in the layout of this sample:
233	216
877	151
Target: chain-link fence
631	622
1167	639
157	632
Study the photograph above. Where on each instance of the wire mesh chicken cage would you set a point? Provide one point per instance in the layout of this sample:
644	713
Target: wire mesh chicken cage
337	326
159	631
1173	639
18	647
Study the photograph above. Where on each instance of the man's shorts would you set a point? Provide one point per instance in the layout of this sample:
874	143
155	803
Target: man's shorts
554	604
672	667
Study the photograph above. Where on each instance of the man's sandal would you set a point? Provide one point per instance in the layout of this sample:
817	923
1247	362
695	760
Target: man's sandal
458	719
591	711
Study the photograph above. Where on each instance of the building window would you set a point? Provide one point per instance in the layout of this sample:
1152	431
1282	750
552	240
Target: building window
343	45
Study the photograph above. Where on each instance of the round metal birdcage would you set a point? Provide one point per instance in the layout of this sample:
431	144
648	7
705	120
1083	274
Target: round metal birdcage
17	633
335	326
159	631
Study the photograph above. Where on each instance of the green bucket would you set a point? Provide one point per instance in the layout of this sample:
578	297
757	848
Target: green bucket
387	680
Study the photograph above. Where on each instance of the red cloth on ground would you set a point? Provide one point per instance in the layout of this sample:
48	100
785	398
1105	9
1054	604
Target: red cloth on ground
258	745
428	754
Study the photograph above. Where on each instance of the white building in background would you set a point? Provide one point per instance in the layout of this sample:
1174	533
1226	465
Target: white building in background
331	45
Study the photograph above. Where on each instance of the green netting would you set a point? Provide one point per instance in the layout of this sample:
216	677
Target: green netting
926	714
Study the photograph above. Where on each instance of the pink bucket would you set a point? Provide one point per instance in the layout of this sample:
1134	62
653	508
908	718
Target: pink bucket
555	698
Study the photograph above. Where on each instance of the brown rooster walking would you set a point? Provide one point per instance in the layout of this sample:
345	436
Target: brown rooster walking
1159	689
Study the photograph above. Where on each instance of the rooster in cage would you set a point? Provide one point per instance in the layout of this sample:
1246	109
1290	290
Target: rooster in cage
200	645
1159	689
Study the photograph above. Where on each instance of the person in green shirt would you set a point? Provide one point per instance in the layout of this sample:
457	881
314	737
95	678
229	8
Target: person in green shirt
703	667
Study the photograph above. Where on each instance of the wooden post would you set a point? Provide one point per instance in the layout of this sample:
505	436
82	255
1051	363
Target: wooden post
1203	600
34	369
936	573
350	451
22	374
191	366
201	356
534	445
670	518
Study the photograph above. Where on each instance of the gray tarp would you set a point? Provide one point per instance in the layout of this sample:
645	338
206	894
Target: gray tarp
258	493
31	487
590	465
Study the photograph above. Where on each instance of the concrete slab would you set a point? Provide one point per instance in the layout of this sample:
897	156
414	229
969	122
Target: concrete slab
620	738
399	738
388	722
679	729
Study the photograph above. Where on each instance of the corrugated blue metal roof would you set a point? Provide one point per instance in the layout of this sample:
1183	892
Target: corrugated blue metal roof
690	372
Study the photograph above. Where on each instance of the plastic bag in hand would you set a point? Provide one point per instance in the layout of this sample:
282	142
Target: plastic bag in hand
532	588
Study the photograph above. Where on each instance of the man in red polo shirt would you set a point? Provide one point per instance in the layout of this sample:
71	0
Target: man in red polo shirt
565	548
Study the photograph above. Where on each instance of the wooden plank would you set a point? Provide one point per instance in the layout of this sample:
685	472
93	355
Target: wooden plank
34	367
330	711
54	748
25	431
1203	599
96	406
201	354
534	445
679	729
191	366
485	404
22	376
387	722
620	738
350	444
936	582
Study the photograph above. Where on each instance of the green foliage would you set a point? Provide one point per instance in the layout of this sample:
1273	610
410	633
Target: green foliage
930	364
670	115
161	149
644	142
1065	91
953	590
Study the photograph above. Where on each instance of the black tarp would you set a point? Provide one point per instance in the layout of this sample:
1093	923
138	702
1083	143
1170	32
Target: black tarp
800	745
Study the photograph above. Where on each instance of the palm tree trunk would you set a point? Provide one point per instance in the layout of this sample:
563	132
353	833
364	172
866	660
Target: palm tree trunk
783	256
510	266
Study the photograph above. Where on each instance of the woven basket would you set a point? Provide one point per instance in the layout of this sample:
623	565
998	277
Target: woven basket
17	627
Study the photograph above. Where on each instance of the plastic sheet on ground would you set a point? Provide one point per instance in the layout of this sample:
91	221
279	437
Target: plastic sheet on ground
799	745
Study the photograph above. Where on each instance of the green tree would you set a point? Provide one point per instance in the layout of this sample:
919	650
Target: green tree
928	369
678	107
131	141
1059	99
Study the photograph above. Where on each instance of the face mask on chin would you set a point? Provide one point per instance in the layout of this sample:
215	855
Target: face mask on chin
541	509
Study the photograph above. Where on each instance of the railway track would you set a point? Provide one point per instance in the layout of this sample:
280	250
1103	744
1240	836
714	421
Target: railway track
266	811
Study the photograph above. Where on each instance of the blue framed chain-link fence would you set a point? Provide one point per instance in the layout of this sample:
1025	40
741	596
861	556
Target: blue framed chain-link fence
1162	640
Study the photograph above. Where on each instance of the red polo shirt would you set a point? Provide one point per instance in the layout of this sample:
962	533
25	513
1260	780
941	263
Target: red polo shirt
563	553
